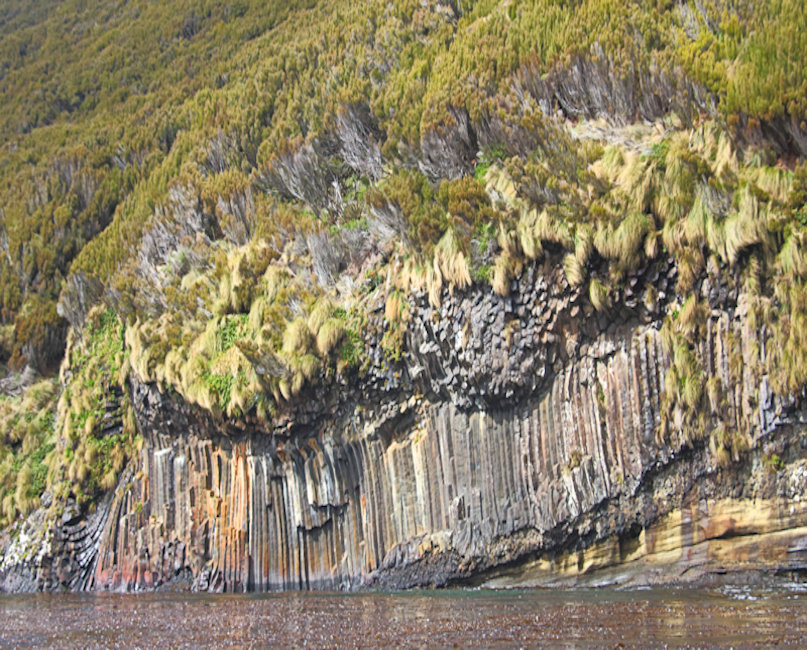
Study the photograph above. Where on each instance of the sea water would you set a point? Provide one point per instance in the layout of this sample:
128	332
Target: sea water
728	616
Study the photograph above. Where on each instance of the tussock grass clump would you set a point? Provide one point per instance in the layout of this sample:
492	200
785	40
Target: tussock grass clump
274	280
630	238
504	269
394	307
682	401
528	236
599	295
551	230
612	161
297	338
575	271
418	275
583	242
775	183
434	285
747	226
451	261
329	335
501	188
94	161
396	317
691	264
727	445
320	313
508	264
574	264
792	259
787	342
691	317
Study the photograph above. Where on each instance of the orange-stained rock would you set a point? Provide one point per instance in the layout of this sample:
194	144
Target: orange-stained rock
493	453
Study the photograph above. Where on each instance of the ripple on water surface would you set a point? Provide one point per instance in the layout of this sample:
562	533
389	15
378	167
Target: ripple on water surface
735	616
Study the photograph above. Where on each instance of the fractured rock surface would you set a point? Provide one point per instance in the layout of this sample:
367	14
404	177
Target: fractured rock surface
517	443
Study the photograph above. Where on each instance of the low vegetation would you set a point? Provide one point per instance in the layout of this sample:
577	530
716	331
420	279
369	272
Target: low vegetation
27	442
218	199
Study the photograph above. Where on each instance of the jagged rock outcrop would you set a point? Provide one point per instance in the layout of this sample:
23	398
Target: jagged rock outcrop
596	86
50	555
518	442
359	136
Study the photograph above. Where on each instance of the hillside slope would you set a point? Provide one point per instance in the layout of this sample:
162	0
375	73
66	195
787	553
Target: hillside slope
249	214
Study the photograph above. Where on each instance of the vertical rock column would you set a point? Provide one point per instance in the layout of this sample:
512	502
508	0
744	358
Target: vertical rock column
335	509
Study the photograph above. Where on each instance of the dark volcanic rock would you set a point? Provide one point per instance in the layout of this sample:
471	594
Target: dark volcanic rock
516	443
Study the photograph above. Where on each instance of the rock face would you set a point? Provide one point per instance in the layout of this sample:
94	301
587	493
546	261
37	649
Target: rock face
517	443
48	555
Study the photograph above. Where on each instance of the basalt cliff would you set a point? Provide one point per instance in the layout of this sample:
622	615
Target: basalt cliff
317	295
518	443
